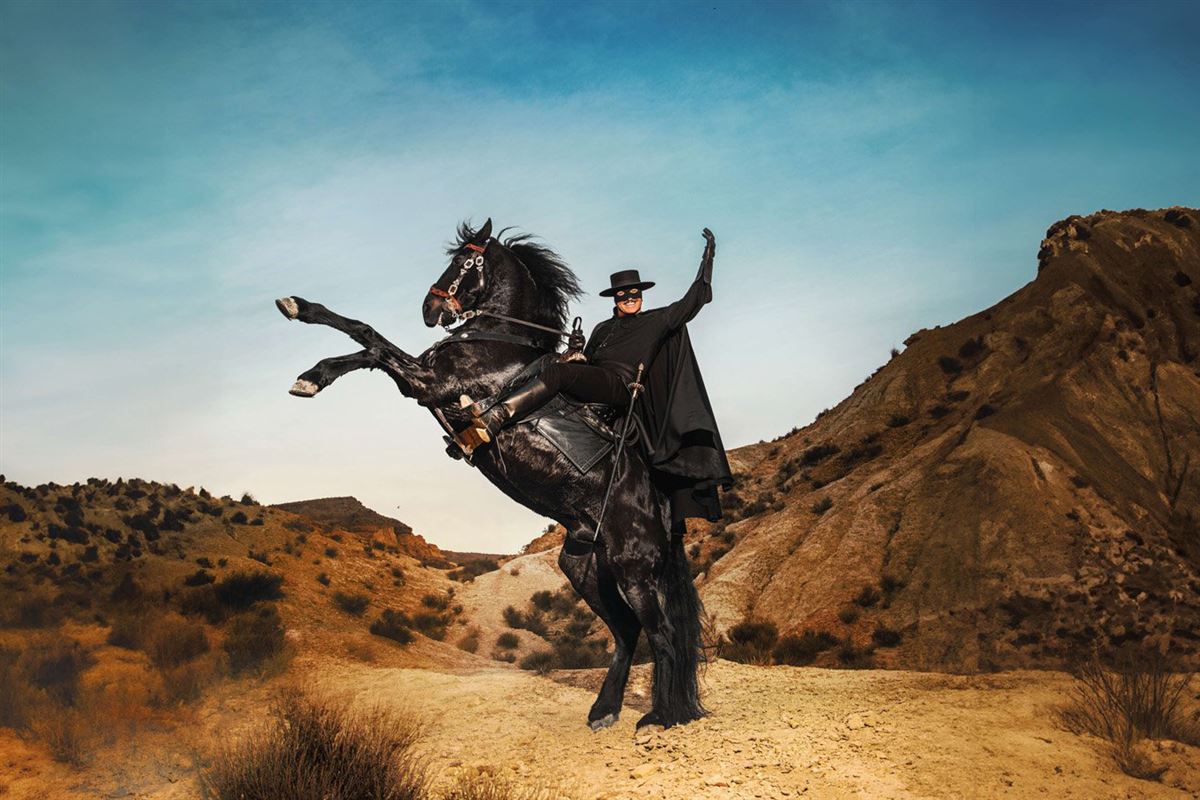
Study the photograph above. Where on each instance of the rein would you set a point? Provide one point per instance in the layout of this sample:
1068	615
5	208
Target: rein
455	306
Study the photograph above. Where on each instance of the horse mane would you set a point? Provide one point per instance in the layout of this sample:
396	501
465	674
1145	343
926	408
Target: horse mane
556	283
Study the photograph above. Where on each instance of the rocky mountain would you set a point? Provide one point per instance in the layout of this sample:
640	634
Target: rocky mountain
1009	490
348	514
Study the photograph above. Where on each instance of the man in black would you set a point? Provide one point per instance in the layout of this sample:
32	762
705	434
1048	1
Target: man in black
616	347
681	440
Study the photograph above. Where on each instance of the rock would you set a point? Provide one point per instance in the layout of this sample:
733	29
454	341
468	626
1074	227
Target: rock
716	780
643	771
855	722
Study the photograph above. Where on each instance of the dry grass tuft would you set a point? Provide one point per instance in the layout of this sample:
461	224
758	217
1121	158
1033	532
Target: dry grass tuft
315	749
483	786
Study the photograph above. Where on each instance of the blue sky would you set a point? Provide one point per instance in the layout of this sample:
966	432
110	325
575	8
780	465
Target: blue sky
167	169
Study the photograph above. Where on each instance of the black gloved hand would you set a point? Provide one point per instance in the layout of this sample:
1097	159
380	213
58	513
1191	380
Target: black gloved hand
576	341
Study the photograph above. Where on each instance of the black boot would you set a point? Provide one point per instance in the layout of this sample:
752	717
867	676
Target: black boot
519	402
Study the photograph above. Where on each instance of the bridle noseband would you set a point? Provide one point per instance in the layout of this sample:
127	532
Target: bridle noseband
452	302
455	305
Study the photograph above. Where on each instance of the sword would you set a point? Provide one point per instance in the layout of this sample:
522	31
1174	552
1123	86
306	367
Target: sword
636	387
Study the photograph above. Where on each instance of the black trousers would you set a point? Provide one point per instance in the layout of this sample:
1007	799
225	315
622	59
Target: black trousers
587	383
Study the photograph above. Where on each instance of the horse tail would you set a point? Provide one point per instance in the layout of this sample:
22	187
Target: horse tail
683	609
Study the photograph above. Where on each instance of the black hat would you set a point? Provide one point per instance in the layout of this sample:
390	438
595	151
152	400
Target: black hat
625	279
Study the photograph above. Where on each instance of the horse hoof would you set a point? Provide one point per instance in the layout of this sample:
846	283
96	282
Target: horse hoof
651	719
304	389
289	308
607	721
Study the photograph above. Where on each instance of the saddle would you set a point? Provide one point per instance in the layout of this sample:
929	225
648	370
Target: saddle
582	432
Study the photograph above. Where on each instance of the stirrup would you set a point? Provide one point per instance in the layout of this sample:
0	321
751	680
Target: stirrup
473	435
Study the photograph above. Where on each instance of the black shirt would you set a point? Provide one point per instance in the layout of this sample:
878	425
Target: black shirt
621	343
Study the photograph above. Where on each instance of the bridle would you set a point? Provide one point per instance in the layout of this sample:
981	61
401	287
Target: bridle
452	303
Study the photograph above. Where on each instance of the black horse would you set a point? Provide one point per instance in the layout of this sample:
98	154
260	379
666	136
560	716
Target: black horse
636	575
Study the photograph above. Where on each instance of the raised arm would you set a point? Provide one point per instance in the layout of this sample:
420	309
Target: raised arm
684	309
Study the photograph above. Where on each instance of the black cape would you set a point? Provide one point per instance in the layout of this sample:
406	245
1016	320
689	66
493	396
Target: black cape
681	439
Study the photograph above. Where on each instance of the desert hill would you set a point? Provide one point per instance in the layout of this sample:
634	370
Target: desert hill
350	515
1010	489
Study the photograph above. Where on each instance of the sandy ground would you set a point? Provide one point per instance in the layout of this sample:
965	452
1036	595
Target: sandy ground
773	732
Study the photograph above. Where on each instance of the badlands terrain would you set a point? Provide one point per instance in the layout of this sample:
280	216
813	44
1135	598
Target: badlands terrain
893	602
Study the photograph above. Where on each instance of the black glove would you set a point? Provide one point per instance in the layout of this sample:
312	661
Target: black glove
576	341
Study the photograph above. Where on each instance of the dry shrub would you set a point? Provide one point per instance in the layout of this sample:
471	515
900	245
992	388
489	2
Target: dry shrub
470	641
362	650
1138	693
480	785
507	640
186	682
799	651
53	663
1135	697
40	692
351	602
540	662
1130	755
243	589
254	638
172	641
66	732
432	625
21	607
16	696
314	749
128	631
851	656
394	625
750	642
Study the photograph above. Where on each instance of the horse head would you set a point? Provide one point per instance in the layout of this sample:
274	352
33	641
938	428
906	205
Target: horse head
464	284
516	278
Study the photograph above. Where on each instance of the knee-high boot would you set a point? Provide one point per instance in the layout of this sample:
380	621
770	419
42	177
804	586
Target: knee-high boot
520	401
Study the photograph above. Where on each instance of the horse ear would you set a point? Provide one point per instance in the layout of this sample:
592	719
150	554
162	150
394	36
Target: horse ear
485	232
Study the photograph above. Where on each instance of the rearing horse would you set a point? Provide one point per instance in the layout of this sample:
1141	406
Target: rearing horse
636	576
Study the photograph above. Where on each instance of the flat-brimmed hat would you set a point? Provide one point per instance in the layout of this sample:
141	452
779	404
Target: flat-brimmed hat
625	279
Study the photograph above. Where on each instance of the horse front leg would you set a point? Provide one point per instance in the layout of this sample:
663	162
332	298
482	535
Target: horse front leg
329	370
412	377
